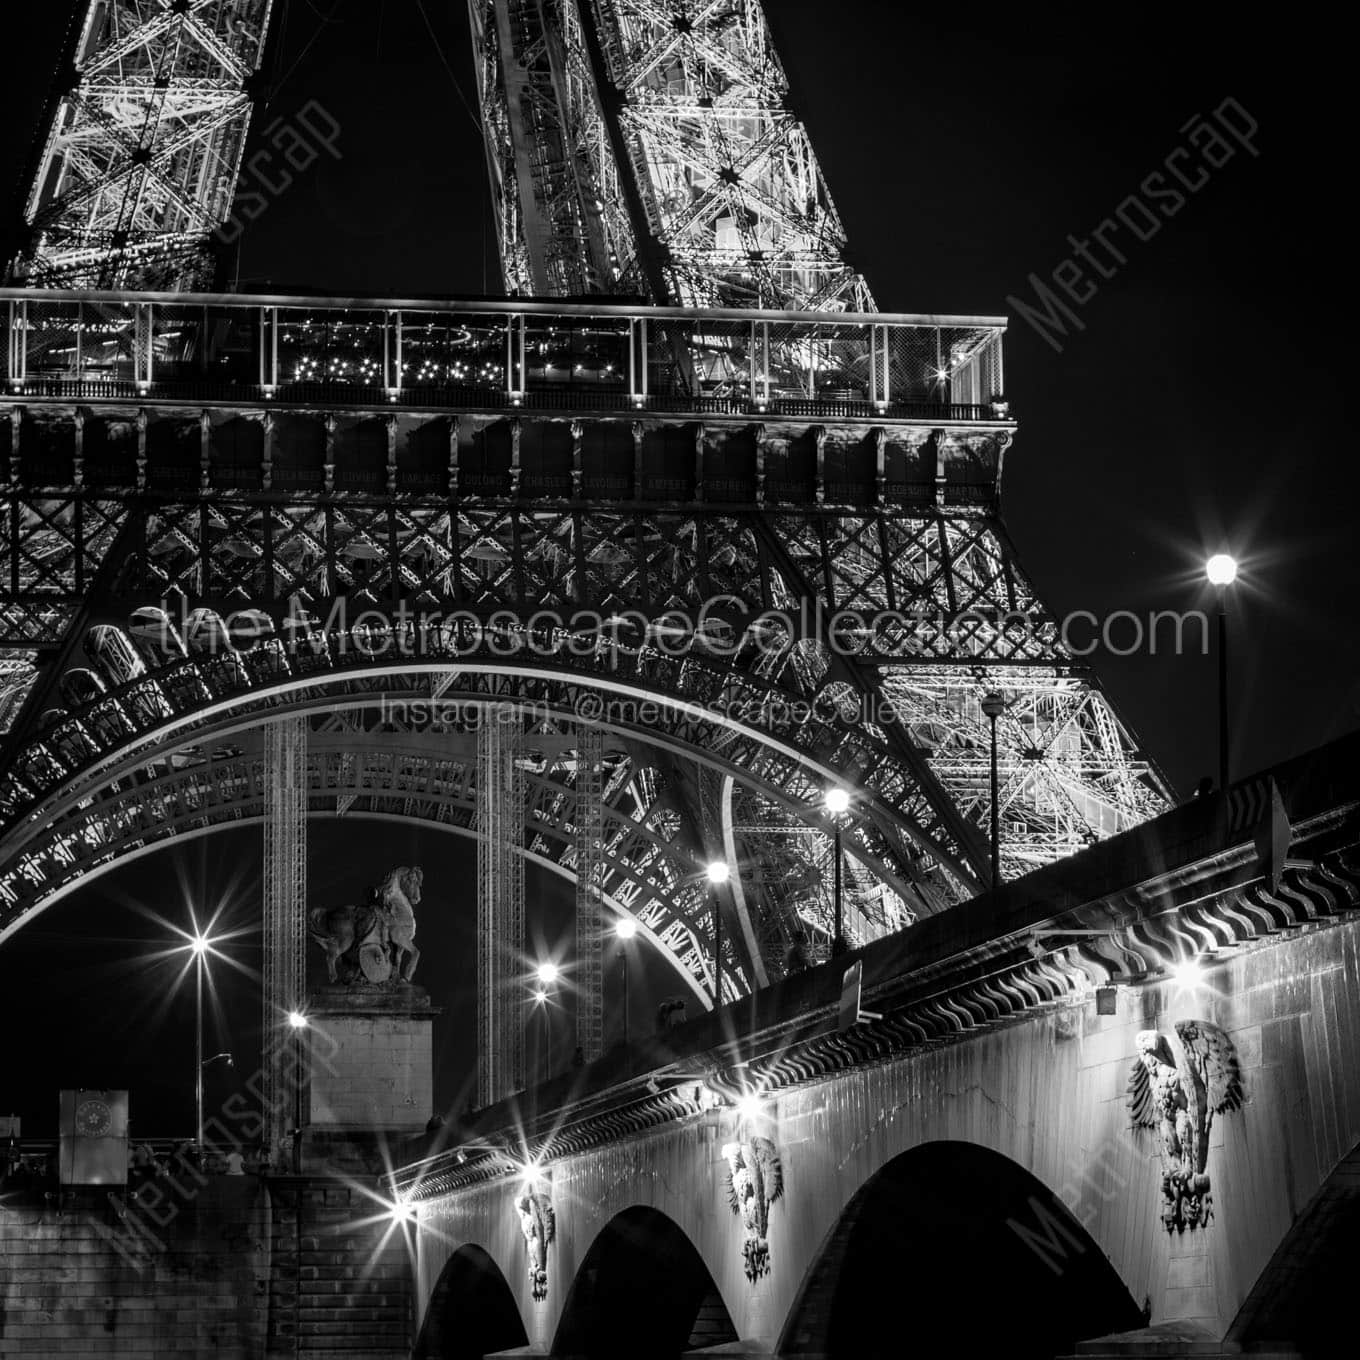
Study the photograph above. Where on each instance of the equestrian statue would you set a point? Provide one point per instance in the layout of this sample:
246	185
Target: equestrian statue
373	943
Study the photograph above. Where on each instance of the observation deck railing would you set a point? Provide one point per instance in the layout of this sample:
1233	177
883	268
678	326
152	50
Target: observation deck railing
479	354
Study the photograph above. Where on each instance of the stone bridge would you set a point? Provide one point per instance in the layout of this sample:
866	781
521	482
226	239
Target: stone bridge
959	1166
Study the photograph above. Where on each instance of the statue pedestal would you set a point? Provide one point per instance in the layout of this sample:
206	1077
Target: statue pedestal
371	1074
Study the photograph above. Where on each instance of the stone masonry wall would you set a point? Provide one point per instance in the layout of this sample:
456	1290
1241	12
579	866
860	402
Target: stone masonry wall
243	1269
84	1282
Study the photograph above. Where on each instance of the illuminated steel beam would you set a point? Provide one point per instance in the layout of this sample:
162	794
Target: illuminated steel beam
285	908
640	146
500	908
140	159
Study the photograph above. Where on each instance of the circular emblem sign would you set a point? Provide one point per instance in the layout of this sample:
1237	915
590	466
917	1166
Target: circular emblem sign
93	1118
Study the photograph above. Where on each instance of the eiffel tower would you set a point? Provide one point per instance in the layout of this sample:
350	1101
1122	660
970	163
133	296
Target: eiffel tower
702	557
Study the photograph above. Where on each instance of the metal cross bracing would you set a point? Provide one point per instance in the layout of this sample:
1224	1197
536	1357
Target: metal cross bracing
649	146
140	157
502	996
285	909
190	682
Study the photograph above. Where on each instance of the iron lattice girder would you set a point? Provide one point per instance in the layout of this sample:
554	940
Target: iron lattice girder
634	147
588	854
285	908
140	162
725	173
508	558
501	939
562	227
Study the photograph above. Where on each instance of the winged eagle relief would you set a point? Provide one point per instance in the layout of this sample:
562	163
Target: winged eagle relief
538	1223
1178	1094
755	1180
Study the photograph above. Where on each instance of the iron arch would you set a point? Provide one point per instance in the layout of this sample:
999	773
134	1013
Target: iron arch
788	743
938	1231
89	819
86	876
642	1288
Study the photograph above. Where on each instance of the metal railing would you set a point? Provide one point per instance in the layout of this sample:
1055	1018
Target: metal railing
483	354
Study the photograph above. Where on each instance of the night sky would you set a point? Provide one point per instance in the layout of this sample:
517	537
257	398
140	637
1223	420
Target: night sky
1200	408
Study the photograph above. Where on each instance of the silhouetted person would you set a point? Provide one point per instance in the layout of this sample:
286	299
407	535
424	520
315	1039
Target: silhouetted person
669	1014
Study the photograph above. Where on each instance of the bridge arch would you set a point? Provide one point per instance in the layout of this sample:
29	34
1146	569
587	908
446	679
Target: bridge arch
1305	1295
472	1311
993	1262
642	1287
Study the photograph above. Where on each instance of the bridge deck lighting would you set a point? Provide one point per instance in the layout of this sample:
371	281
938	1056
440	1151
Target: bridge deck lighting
749	1106
718	872
1188	973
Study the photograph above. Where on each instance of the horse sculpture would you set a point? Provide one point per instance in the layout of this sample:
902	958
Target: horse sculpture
373	942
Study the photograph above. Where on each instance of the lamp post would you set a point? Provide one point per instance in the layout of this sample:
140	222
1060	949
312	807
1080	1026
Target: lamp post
625	930
1222	572
199	947
994	705
297	1023
547	974
718	874
837	801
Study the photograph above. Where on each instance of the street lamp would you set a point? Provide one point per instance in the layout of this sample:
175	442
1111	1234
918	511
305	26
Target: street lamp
718	874
994	705
198	946
1222	572
837	801
625	930
547	974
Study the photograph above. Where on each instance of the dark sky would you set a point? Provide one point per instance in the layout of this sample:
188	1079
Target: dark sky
1201	407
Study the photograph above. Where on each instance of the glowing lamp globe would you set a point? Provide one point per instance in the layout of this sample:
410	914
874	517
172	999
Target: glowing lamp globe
1221	569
